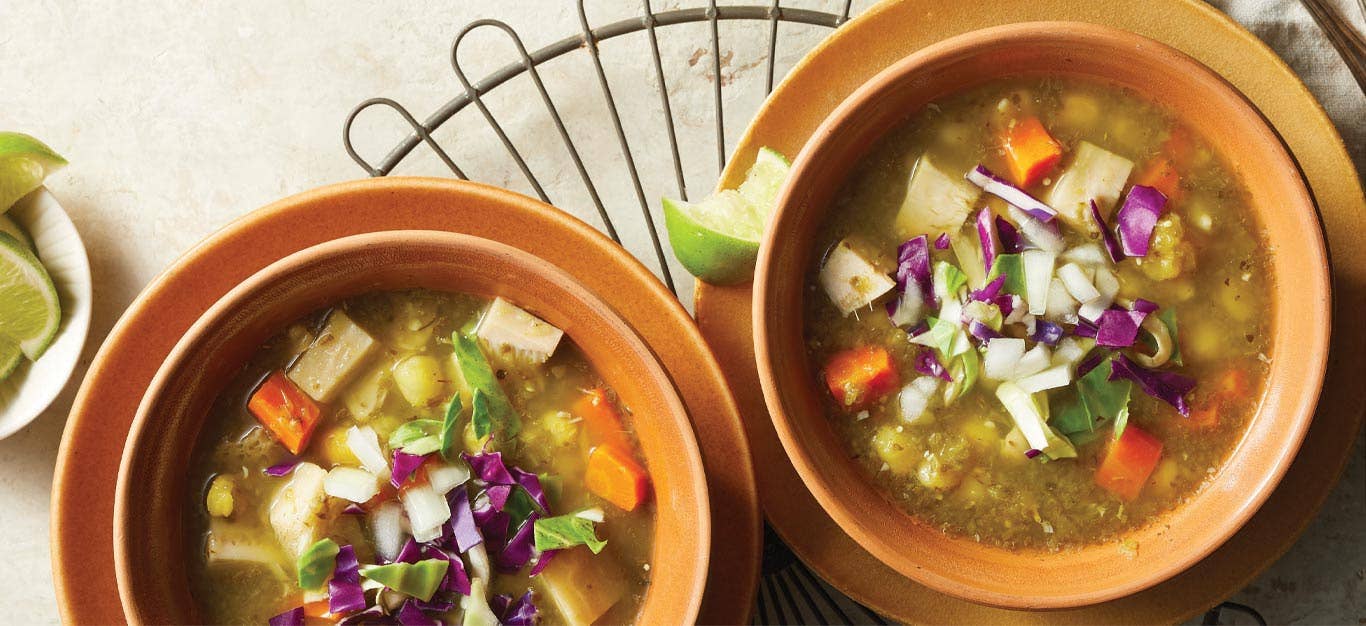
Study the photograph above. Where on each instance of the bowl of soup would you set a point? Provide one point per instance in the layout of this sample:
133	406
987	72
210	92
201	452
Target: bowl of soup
411	427
1043	314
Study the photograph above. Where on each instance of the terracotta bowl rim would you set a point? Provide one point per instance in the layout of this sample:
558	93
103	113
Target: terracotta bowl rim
692	480
777	242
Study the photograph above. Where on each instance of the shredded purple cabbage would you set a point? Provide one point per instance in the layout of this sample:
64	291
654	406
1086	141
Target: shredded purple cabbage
1111	244
521	612
372	616
410	615
1089	363
532	484
986	235
542	560
1118	328
409	553
1169	387
292	617
462	526
989	291
913	263
1084	329
282	468
519	549
1137	217
928	364
942	242
404	466
1005	190
353	509
1031	453
1046	332
981	331
1009	236
457	579
1146	306
489	468
344	594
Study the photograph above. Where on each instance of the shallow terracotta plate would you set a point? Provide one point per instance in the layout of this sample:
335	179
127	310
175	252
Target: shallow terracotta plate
82	507
887	33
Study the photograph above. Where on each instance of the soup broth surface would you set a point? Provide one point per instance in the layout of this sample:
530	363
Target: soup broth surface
958	459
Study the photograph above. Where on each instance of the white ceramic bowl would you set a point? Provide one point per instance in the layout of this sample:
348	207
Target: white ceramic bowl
32	387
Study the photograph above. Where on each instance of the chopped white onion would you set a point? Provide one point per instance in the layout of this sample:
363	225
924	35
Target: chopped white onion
1107	284
423	535
1087	254
951	311
386	528
1036	360
425	507
479	561
910	307
445	477
1018	310
1045	236
1078	285
1061	306
915	399
1051	378
351	483
364	443
1069	351
1038	273
1091	311
1003	353
594	514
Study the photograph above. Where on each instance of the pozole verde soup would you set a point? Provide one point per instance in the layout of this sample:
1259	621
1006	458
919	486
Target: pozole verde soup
1039	313
405	457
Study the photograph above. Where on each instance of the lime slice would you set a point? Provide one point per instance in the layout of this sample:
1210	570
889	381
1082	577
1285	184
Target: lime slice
24	163
765	178
8	227
29	311
717	239
10	356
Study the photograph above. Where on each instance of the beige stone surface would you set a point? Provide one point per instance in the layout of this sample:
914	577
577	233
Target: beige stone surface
179	117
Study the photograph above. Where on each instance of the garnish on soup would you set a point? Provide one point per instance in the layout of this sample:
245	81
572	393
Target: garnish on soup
1036	316
414	457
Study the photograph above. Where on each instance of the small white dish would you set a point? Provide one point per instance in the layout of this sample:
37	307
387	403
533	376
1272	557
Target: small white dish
32	387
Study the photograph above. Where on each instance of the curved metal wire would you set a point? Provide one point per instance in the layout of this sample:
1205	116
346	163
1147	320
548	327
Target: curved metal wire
790	593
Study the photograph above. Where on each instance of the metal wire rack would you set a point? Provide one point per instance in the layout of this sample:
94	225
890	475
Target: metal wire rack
790	593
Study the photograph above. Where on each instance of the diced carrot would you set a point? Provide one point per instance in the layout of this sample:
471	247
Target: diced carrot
1128	463
601	418
860	376
286	411
318	608
616	477
1161	175
1030	152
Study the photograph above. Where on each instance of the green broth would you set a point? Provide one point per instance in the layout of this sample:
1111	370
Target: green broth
551	442
961	479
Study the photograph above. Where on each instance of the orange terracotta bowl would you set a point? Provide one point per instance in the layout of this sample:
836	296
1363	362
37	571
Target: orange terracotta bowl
150	542
1299	336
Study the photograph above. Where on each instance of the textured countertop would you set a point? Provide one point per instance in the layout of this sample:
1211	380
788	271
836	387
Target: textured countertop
177	120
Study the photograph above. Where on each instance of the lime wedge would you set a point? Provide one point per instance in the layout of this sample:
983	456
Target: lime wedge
24	163
765	178
29	311
8	227
717	239
10	356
